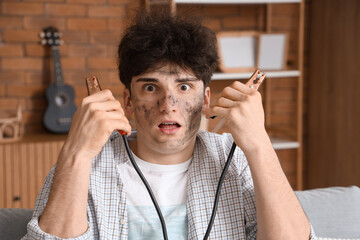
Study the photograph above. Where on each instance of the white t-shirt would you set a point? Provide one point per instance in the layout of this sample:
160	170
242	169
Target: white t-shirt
169	185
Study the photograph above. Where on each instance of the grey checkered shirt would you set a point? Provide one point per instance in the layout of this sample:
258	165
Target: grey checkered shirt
106	210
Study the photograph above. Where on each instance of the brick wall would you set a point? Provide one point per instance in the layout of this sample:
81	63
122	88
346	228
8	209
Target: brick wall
91	31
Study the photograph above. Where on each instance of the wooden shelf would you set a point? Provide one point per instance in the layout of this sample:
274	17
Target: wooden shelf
246	75
234	1
279	144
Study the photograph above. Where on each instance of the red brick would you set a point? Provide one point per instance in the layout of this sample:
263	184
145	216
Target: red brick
12	76
22	63
17	8
36	50
42	22
220	10
38	78
281	23
26	90
11	50
97	2
45	1
102	63
33	117
285	9
73	63
113	77
39	50
118	23
240	22
11	103
37	103
212	23
105	37
96	11
121	2
86	24
2	90
65	10
87	50
111	50
10	22
75	37
21	36
252	10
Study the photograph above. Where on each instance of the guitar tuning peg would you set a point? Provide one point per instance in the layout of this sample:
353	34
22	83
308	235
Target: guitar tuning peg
59	42
48	34
43	41
56	34
42	34
50	41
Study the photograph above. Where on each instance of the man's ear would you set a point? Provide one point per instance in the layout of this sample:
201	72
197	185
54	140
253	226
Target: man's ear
128	107
206	102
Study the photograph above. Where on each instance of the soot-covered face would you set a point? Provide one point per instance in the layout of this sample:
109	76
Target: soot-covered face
167	103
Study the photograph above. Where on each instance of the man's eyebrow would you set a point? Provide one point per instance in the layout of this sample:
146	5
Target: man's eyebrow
146	80
187	80
154	80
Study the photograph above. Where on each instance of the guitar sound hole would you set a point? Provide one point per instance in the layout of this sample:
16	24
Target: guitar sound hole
61	100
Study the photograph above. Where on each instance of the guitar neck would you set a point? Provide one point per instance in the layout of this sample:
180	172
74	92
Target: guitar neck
57	65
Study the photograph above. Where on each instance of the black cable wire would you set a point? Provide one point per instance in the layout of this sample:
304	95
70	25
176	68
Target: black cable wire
162	221
153	199
218	190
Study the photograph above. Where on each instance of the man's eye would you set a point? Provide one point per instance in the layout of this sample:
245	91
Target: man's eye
184	87
150	88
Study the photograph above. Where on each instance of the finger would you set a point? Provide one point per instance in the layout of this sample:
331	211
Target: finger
252	78
236	91
223	102
111	105
120	125
216	111
104	95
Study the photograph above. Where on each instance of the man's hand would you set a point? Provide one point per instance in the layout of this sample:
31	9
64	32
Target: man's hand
241	107
97	117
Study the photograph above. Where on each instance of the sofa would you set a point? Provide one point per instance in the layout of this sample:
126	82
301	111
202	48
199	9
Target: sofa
334	213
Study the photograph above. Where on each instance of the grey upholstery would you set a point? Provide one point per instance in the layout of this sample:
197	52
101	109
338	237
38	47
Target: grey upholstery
333	212
13	222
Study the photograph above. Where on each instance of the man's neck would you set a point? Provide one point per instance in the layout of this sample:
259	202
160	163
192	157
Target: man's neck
151	156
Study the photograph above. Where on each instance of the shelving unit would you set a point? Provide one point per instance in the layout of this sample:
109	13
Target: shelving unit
296	142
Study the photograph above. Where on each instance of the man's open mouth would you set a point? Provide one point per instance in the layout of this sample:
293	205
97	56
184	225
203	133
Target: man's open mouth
169	125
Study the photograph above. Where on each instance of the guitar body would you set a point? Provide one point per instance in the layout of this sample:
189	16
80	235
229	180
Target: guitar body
60	96
61	108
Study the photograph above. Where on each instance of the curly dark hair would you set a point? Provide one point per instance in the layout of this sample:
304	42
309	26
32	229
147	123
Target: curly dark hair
156	38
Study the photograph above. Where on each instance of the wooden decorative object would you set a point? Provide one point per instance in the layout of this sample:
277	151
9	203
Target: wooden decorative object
11	128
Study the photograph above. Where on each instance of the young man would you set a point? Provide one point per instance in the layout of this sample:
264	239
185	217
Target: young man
166	64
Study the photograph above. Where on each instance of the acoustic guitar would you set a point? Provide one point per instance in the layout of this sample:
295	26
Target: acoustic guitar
60	96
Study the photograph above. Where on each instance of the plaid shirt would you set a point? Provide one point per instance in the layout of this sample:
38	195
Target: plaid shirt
107	214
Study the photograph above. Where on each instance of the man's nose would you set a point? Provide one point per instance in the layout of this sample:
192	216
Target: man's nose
168	103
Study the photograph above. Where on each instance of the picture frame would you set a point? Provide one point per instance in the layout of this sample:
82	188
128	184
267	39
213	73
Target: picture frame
272	51
245	51
237	50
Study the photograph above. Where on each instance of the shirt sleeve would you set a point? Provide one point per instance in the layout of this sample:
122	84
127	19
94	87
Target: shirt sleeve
249	203
34	232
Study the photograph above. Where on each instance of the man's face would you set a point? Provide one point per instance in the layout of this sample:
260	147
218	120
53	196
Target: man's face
167	103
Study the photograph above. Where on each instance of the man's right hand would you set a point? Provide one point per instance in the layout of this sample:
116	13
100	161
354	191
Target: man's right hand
97	117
